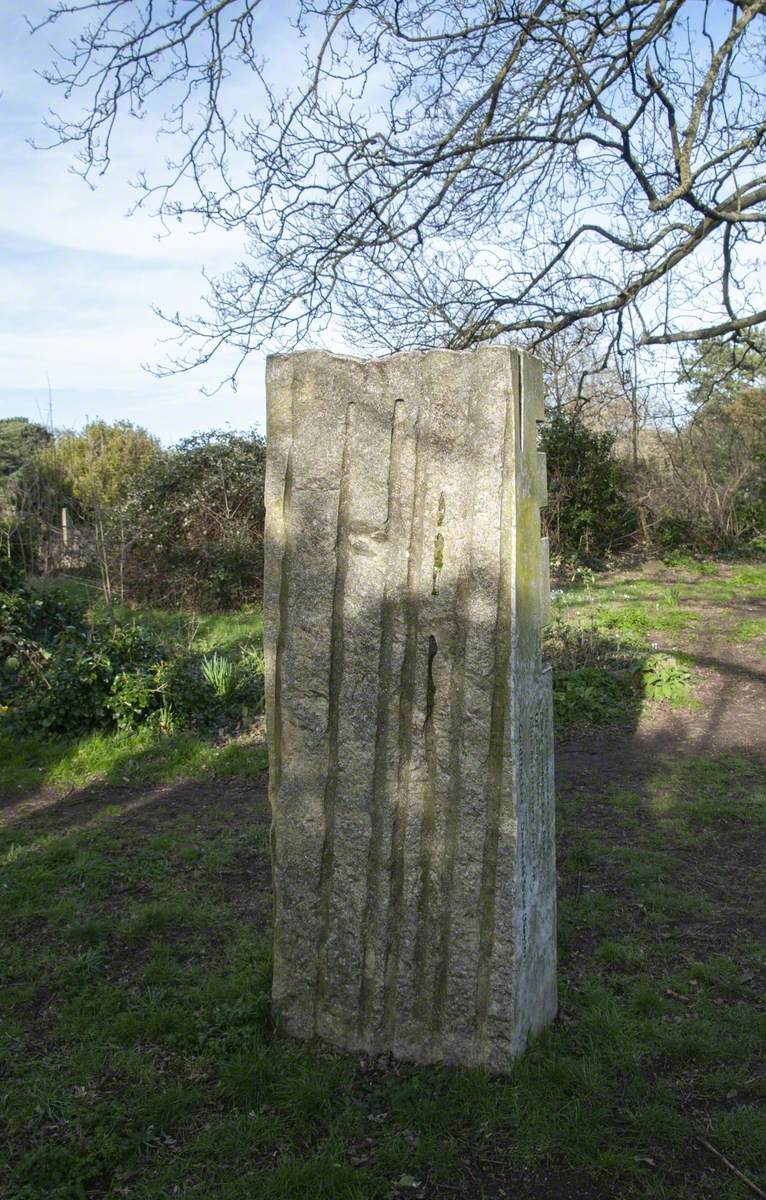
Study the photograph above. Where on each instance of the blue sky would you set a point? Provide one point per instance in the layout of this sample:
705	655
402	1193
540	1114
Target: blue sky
78	278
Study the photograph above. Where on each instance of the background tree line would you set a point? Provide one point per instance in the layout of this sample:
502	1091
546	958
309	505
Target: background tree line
185	525
629	471
181	526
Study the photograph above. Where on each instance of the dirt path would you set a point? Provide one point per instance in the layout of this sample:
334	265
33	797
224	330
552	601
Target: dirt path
727	714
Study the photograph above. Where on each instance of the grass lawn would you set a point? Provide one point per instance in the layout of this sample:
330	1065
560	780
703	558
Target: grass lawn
137	1054
145	756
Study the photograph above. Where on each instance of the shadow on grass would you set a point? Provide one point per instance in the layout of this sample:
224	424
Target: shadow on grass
35	773
140	1058
137	1001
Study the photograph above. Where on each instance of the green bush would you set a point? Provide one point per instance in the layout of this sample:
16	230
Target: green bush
665	678
65	692
57	670
41	615
595	696
588	510
132	645
66	687
196	519
185	691
175	686
133	697
31	621
60	674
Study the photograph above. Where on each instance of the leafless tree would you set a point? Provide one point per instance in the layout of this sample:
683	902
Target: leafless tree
446	171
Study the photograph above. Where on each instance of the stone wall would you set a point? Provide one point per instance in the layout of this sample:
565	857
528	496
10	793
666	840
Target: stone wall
409	714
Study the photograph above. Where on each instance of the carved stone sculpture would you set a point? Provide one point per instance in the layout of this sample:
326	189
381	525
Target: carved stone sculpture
408	710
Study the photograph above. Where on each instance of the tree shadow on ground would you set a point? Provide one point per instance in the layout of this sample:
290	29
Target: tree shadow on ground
661	843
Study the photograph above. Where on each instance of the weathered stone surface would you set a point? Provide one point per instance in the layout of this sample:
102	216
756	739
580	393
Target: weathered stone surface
409	714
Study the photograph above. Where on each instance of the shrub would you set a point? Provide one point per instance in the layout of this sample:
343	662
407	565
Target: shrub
665	678
30	623
185	692
223	675
133	645
187	689
588	511
56	670
133	697
38	614
69	695
196	520
61	675
595	696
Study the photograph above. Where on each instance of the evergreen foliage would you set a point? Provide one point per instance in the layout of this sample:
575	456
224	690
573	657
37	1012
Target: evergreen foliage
195	517
588	511
20	440
62	673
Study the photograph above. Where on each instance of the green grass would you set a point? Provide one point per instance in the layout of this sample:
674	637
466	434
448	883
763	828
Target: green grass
146	756
139	1058
137	1052
698	583
190	628
750	631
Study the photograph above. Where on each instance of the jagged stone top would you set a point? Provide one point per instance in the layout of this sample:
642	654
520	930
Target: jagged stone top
318	352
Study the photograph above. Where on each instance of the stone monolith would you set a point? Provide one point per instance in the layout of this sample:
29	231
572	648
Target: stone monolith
409	713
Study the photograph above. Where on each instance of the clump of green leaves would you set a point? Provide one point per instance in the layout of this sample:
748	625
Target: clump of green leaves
589	511
595	696
223	675
65	688
62	674
664	678
133	697
184	690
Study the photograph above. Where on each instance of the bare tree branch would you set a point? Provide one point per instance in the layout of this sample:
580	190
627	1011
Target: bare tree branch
444	172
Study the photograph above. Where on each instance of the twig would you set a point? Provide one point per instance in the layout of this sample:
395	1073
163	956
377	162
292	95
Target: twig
753	1186
677	996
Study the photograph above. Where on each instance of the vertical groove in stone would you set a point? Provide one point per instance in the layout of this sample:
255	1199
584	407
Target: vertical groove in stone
275	764
499	709
382	725
423	932
406	699
334	708
459	643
